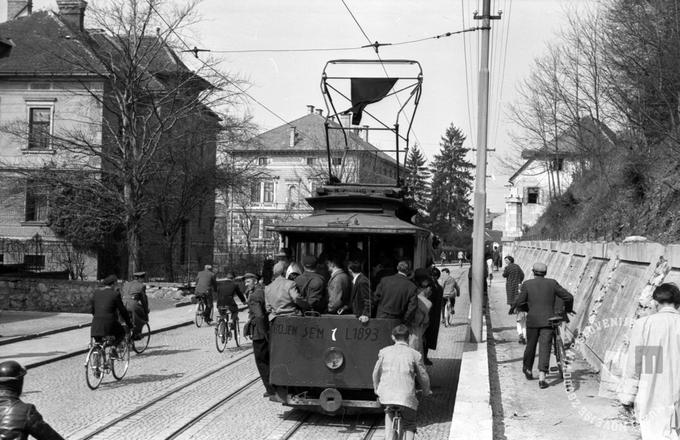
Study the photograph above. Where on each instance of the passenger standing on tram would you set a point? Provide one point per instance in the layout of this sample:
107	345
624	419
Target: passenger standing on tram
361	292
432	332
136	302
312	286
339	287
282	296
396	296
259	329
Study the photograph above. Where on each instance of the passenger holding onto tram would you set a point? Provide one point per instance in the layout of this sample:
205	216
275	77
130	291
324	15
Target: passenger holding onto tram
398	370
136	302
396	296
360	298
259	329
282	296
339	287
312	286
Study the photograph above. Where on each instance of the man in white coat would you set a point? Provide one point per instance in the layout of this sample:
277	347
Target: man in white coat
651	379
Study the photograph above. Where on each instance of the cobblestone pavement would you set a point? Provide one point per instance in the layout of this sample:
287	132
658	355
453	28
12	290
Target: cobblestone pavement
527	412
176	357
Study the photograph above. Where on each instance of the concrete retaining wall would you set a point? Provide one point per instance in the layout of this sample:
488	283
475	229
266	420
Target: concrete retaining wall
612	284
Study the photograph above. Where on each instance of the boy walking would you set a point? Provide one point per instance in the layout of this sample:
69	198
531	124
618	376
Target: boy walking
395	375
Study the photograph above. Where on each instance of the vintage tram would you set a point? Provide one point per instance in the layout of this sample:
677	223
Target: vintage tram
326	362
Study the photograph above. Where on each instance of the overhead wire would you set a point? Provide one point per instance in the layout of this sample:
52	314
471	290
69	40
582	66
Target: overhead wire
505	58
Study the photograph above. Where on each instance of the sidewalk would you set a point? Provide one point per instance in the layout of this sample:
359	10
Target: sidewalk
67	334
523	411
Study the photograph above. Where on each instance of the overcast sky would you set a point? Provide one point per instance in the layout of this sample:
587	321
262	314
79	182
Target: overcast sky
285	82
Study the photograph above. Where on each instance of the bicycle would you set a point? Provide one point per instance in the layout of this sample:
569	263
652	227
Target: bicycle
141	342
397	429
199	319
223	332
558	345
101	361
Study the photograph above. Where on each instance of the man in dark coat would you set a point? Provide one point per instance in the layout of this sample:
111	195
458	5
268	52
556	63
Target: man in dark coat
206	284
514	276
226	290
396	296
312	286
136	302
437	296
360	299
259	331
537	296
18	420
107	305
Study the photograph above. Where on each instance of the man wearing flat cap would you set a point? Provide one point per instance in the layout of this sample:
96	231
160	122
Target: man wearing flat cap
537	297
107	305
312	285
206	284
136	302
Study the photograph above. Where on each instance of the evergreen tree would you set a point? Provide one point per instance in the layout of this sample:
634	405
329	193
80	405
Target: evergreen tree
417	183
449	209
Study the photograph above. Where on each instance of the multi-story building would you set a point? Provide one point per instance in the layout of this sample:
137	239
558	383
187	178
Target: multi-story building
51	86
292	160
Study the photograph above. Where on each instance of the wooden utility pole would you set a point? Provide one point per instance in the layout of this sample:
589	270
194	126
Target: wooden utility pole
479	200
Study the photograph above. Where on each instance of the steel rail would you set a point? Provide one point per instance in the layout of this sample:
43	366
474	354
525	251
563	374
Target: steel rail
164	396
184	428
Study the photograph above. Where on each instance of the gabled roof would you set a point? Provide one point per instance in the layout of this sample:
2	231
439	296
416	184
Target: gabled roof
311	136
572	141
44	45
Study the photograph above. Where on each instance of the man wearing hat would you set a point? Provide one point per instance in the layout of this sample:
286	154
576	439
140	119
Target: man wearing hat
226	289
537	297
136	302
18	420
107	306
312	285
259	329
206	284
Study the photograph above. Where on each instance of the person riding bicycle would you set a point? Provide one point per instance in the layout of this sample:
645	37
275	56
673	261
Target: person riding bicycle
398	369
206	284
136	302
451	291
226	290
18	420
107	309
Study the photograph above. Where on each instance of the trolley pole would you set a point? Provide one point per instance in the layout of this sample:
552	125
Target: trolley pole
477	266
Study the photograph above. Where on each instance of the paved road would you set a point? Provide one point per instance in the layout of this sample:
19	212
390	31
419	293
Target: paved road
176	357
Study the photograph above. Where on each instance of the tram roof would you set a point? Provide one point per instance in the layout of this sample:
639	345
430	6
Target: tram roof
350	222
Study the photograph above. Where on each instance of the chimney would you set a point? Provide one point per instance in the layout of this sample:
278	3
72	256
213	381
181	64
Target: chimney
319	111
72	12
311	109
18	8
365	130
291	142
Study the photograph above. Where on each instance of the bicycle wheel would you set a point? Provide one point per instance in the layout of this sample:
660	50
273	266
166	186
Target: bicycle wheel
560	355
120	363
235	333
94	367
143	342
221	335
200	308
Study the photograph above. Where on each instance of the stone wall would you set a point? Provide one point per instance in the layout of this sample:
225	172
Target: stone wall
46	295
612	284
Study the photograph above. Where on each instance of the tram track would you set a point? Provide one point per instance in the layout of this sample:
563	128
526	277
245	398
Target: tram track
110	425
329	430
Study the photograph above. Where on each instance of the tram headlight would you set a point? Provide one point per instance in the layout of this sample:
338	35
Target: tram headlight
333	358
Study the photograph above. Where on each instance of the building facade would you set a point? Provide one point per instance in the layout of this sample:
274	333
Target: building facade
291	162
